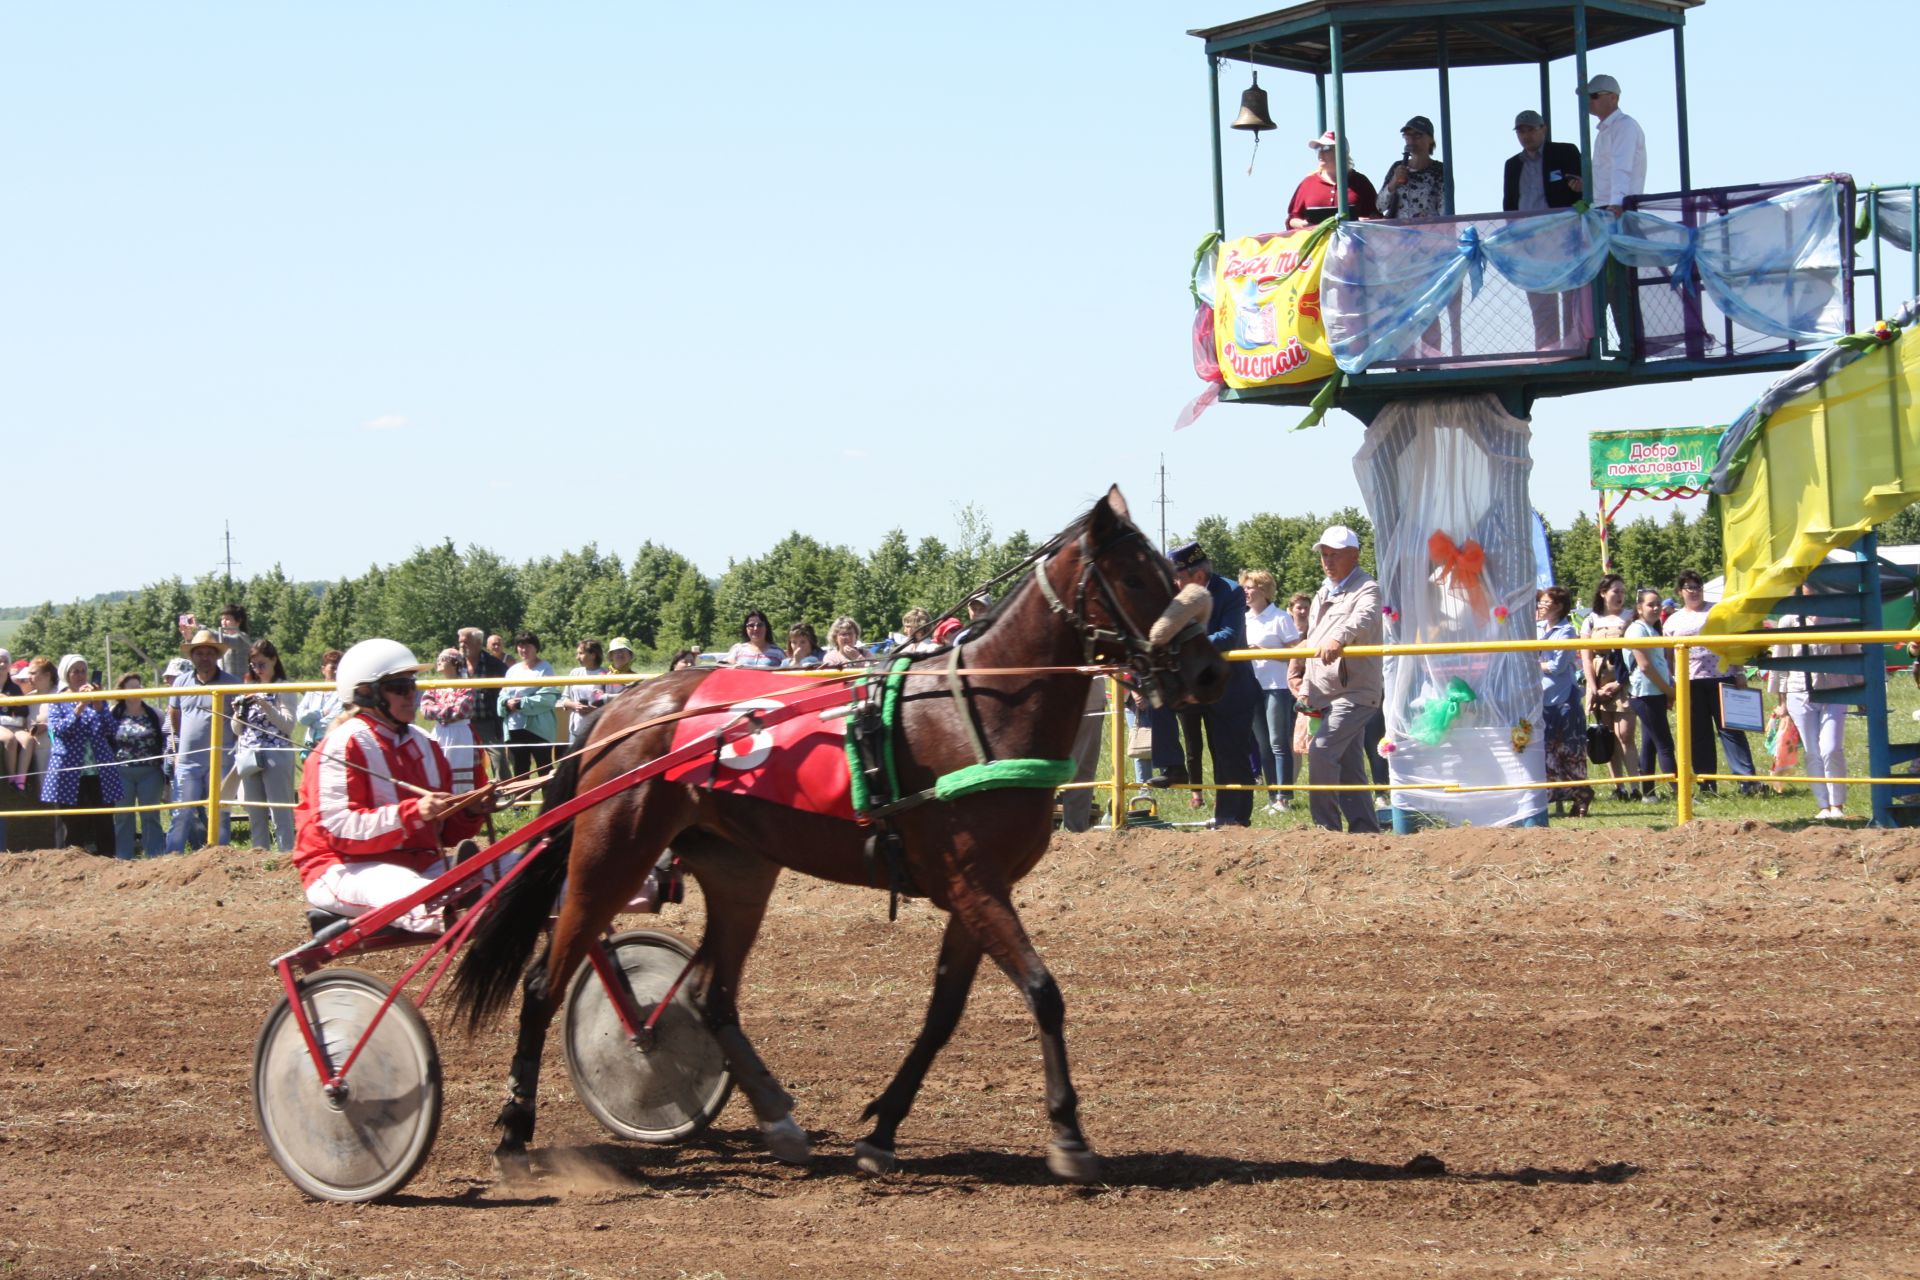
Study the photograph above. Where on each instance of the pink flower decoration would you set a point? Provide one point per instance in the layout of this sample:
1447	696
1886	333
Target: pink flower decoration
1499	613
1385	748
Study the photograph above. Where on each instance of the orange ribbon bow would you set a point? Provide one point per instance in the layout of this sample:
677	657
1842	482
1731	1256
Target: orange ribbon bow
1461	568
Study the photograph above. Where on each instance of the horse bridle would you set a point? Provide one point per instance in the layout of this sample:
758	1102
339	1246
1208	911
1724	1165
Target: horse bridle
1148	663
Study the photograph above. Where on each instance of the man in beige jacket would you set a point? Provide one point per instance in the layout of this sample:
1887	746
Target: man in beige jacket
1341	691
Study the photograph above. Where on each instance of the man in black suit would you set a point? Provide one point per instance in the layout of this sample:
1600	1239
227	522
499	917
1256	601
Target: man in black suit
1546	175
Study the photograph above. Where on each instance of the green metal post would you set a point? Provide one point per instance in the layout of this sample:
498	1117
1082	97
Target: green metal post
1320	97
1546	96
1680	104
1873	694
1446	123
1337	66
1597	302
1213	119
1873	240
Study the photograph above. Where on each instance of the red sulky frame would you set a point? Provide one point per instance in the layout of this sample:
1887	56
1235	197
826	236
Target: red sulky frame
362	933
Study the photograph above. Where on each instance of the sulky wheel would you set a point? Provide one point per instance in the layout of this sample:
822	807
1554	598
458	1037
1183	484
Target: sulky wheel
665	1091
372	1139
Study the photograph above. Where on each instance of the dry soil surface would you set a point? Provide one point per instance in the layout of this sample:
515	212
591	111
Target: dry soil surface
1529	1053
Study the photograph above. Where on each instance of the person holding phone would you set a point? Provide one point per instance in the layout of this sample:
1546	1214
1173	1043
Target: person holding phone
82	771
263	729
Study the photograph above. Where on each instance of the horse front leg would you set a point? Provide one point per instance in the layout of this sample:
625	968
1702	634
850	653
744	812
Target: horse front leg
988	913
952	981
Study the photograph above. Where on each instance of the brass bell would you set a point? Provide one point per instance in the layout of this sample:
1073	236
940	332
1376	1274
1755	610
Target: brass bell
1253	115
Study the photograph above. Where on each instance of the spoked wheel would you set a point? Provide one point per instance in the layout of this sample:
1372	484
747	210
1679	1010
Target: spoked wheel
369	1141
666	1090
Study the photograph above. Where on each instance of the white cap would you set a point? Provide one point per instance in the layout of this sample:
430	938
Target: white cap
1338	536
370	661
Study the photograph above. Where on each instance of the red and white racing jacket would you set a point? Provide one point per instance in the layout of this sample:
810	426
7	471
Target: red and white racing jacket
349	814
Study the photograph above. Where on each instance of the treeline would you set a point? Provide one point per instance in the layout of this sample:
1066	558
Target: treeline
657	598
662	602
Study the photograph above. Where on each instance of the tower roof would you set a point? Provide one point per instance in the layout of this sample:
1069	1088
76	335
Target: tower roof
1404	35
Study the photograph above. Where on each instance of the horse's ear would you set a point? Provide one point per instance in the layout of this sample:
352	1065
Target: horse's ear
1109	507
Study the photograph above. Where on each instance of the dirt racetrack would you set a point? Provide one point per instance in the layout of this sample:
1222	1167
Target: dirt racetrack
1674	1053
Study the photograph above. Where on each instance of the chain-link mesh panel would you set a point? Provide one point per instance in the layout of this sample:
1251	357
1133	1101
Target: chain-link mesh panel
1502	324
1684	323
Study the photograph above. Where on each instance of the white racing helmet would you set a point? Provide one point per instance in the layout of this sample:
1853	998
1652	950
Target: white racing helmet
369	662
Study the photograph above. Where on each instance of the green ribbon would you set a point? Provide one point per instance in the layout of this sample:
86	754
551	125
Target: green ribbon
1439	713
1323	399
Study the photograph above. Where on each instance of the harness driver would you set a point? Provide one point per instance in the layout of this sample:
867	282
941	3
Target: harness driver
373	816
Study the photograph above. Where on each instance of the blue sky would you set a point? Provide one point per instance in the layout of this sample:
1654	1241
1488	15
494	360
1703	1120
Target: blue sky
361	276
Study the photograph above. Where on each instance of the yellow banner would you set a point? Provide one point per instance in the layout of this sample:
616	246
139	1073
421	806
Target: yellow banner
1266	321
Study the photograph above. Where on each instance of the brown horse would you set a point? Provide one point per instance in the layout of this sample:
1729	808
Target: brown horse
1098	593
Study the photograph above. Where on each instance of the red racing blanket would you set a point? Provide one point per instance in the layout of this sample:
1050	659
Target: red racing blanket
800	762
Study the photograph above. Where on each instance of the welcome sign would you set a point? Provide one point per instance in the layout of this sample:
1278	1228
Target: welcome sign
1659	458
1266	321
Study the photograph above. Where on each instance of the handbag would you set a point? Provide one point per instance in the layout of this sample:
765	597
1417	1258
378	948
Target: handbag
247	762
1303	730
1599	743
1140	742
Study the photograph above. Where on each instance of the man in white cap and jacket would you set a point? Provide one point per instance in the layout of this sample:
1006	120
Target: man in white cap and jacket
1339	691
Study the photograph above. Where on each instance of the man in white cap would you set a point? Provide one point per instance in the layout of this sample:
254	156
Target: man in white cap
1339	691
1619	147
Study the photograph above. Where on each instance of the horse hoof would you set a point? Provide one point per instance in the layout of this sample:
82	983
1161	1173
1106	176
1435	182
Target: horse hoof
1078	1165
513	1165
877	1161
786	1141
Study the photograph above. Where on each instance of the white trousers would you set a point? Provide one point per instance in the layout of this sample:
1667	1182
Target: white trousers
1823	733
355	888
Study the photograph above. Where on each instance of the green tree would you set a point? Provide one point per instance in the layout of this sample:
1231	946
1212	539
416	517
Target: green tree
877	593
490	588
1576	556
686	616
426	602
333	624
652	581
1215	537
553	587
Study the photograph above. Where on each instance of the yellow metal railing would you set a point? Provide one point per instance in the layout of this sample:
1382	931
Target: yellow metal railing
219	693
1683	777
1118	785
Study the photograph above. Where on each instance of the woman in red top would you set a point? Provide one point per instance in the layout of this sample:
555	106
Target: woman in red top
1316	189
375	800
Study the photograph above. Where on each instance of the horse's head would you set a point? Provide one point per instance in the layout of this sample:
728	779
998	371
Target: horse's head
1131	614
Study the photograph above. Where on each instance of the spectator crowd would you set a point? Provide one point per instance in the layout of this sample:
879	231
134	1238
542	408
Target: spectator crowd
103	754
1314	720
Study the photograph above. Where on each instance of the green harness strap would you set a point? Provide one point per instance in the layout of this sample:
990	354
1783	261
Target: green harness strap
995	774
1046	774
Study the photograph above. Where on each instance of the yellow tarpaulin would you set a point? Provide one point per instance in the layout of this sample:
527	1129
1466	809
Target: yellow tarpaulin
1827	466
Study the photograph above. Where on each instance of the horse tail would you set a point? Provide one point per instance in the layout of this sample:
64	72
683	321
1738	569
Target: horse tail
504	938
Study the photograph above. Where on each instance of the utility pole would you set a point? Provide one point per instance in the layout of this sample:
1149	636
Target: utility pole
227	537
1162	500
